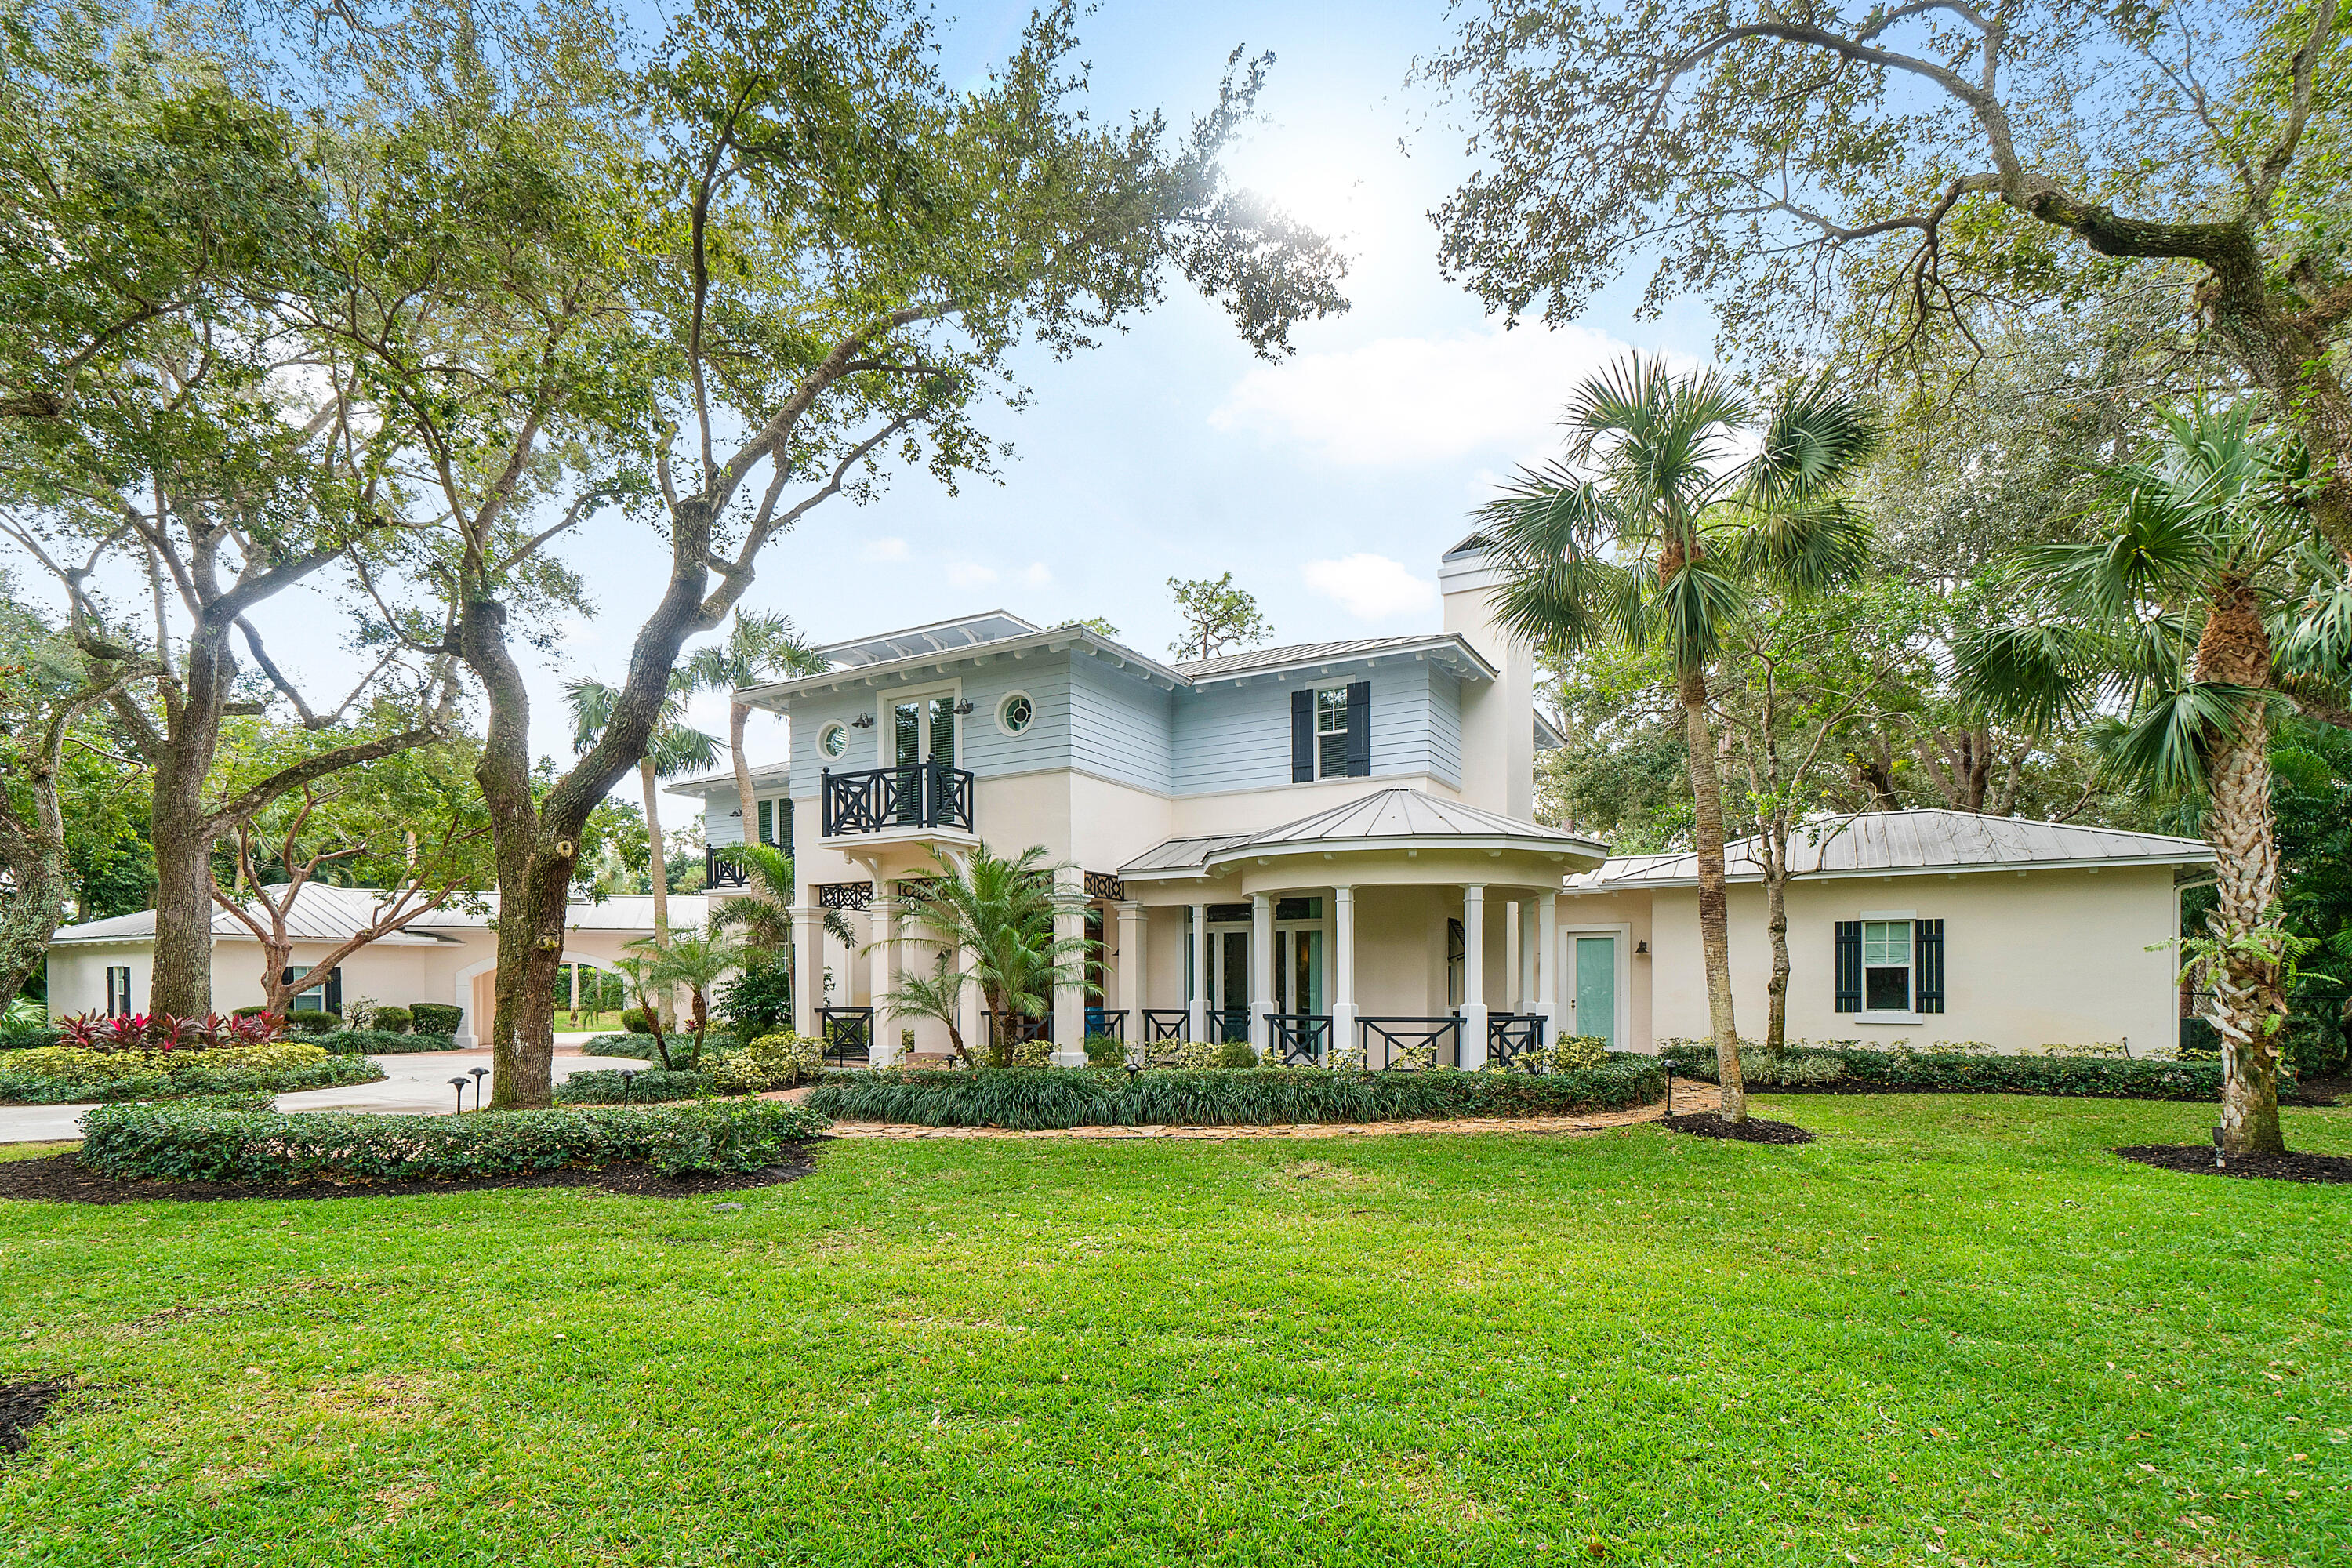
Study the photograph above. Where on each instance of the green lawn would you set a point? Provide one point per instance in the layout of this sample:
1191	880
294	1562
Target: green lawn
1953	1331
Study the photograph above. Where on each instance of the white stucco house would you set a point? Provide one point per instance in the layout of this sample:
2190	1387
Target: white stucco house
448	956
1330	845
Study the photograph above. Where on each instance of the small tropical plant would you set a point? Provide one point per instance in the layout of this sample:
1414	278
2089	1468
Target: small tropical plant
1001	911
938	994
696	961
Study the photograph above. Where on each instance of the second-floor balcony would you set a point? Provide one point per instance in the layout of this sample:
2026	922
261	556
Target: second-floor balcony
881	800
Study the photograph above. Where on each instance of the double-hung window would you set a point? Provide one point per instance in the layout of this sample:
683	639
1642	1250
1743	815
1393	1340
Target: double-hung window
1886	966
1332	733
117	991
322	989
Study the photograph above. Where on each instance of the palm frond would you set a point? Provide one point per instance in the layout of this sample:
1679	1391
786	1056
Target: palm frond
1694	604
2164	746
2035	674
1815	445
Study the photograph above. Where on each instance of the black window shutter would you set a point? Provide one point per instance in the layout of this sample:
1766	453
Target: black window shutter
784	839
767	822
1360	728
1302	736
1849	966
1928	956
286	977
335	989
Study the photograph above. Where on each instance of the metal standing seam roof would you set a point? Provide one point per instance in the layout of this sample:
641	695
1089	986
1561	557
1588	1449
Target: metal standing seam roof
1889	842
1369	822
762	774
1259	658
322	913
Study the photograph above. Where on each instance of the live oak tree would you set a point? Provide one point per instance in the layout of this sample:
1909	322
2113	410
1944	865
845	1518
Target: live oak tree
171	453
1928	168
716	289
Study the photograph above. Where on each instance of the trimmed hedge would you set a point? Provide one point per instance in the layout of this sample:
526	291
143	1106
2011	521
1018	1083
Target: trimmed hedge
205	1144
434	1017
383	1043
1028	1101
642	1046
333	1072
1957	1072
605	1086
389	1019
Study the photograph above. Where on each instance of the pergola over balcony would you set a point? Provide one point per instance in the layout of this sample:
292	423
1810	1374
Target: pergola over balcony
1393	839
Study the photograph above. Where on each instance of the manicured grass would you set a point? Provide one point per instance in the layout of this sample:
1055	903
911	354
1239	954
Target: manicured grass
1953	1324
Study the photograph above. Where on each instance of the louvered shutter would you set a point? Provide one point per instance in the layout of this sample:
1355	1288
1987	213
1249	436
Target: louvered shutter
767	822
784	839
1849	966
1302	736
1928	957
1360	728
335	990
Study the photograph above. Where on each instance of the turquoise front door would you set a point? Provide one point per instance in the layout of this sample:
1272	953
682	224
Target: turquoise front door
1596	988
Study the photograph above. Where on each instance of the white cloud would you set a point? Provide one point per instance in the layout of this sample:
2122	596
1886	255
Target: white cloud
969	574
884	550
1401	402
1037	575
1371	587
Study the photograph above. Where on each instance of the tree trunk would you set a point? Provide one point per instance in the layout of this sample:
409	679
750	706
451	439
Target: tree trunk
1715	937
1776	924
2250	1000
35	855
182	832
738	715
658	873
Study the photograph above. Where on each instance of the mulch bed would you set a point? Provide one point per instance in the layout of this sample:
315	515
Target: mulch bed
22	1405
2196	1160
1755	1130
60	1179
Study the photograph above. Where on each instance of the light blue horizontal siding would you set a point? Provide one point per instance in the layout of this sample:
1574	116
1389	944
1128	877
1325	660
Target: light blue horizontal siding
720	825
1121	727
1239	738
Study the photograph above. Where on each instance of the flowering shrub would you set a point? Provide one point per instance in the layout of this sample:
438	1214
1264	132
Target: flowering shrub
158	1034
776	1060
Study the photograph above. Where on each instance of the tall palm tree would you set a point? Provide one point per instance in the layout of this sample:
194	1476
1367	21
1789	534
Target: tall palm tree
2165	613
763	911
1650	533
759	647
675	747
1001	911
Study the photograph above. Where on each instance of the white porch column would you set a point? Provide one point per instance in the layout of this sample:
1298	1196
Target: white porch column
1473	978
1343	970
883	977
1548	963
1070	994
1514	976
1131	992
969	1005
808	968
1261	979
1197	1025
1530	997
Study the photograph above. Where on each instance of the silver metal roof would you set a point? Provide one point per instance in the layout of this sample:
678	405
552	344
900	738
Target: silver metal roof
777	773
325	913
1389	818
1258	660
1883	843
939	636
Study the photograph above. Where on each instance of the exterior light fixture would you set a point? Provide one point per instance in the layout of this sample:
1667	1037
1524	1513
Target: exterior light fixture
628	1082
460	1084
1641	950
1670	1088
960	708
863	721
2217	1148
479	1074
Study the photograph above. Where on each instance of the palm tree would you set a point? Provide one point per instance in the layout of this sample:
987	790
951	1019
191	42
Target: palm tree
1000	912
763	911
759	647
697	960
675	747
1651	534
636	971
2164	612
938	994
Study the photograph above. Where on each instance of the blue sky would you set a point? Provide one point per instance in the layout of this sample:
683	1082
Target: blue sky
1327	484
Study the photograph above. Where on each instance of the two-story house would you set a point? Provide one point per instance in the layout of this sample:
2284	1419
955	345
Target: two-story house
1332	846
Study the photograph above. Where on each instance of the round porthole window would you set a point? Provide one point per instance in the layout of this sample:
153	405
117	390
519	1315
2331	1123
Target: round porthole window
833	739
1013	714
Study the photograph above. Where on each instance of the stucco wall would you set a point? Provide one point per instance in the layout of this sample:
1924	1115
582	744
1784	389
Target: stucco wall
2046	957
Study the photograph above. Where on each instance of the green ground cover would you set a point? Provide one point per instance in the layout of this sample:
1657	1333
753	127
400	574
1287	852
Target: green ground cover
1954	1331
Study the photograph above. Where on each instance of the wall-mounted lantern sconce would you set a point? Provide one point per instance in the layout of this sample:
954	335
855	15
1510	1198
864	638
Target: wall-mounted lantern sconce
961	708
1641	950
863	721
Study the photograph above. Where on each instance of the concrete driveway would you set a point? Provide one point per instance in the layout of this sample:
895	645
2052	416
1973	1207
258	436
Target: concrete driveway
416	1084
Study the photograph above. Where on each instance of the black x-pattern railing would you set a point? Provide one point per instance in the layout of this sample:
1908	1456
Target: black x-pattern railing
1298	1039
1410	1043
847	1034
922	794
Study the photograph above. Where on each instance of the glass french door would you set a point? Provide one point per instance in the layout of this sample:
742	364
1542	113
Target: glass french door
1297	973
1595	971
922	729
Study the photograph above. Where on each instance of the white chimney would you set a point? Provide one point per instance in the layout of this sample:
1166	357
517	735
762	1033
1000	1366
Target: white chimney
1498	723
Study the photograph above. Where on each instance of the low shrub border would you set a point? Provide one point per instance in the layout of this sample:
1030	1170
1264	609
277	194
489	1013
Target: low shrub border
182	1083
1818	1070
605	1086
1033	1100
205	1144
381	1043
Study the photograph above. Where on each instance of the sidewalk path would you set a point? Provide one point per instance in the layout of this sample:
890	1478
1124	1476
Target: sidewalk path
417	1083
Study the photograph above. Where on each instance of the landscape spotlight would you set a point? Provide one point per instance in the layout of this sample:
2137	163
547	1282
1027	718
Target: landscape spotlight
460	1085
479	1075
628	1082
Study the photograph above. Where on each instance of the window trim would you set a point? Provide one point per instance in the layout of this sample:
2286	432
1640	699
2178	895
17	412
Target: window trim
1910	967
825	733
1323	736
884	718
1006	702
118	1002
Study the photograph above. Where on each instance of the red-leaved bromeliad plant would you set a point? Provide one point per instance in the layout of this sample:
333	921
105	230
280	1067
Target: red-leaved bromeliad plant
161	1034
